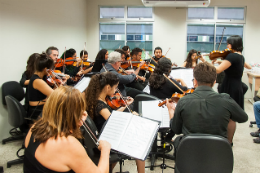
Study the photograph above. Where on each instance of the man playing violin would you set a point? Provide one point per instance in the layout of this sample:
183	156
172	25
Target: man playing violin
205	111
85	59
113	65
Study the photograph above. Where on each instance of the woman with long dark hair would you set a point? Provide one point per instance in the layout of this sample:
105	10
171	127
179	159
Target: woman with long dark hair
162	87
191	60
30	68
101	86
101	58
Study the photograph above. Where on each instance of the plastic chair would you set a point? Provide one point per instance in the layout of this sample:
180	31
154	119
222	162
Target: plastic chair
204	153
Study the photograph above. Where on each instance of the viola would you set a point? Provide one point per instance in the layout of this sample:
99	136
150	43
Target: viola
116	101
220	54
176	97
53	78
68	61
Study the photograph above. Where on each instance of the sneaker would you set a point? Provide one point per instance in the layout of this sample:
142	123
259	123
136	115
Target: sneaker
257	140
255	134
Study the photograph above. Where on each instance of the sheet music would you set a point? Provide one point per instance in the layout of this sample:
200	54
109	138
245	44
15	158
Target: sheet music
185	74
138	137
82	84
147	89
151	110
115	128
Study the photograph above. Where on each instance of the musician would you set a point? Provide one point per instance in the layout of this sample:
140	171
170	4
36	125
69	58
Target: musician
85	58
191	60
113	64
101	86
38	89
72	70
52	143
126	49
160	86
142	75
233	66
30	68
205	111
101	58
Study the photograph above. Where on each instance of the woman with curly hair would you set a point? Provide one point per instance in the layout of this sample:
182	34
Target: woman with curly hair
160	86
52	143
191	60
101	86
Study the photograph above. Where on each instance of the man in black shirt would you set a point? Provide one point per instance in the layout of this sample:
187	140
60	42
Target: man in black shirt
205	111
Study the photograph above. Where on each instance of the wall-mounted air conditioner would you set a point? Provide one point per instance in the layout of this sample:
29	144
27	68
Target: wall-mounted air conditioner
176	3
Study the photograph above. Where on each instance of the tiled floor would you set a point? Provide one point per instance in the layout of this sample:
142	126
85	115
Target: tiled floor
246	153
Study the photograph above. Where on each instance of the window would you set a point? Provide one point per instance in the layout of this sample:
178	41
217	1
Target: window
120	26
205	35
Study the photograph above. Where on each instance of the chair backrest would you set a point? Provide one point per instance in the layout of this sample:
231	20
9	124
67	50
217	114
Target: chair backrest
16	112
204	153
142	97
14	89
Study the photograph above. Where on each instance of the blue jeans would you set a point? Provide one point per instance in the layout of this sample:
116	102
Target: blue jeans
257	113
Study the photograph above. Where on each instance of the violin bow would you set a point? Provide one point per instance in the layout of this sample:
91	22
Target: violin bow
64	61
167	51
221	37
89	131
173	83
83	56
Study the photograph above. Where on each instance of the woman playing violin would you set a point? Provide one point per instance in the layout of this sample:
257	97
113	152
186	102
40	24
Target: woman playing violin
233	66
101	86
159	85
85	59
126	49
192	59
38	89
27	75
52	143
101	58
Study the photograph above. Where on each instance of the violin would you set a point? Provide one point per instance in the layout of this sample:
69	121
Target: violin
176	97
53	79
115	101
68	61
84	63
220	54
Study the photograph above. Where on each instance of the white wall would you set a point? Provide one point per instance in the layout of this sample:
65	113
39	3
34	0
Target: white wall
170	28
30	26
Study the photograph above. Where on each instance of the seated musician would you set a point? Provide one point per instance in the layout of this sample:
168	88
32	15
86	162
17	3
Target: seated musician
101	58
157	55
126	49
205	111
101	86
142	75
26	77
52	143
160	86
192	59
85	58
113	64
38	89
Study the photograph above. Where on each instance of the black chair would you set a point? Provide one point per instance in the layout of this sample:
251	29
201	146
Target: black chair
156	151
14	89
93	152
204	153
256	98
1	169
16	115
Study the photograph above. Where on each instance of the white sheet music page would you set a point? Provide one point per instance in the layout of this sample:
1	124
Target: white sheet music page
151	110
115	128
138	137
185	74
82	84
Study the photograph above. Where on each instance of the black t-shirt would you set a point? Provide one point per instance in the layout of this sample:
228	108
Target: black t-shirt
99	120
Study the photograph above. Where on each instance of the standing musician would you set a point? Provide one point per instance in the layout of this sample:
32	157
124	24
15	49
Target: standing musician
192	59
38	89
52	143
205	111
160	86
24	82
101	58
113	64
101	86
85	58
142	75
